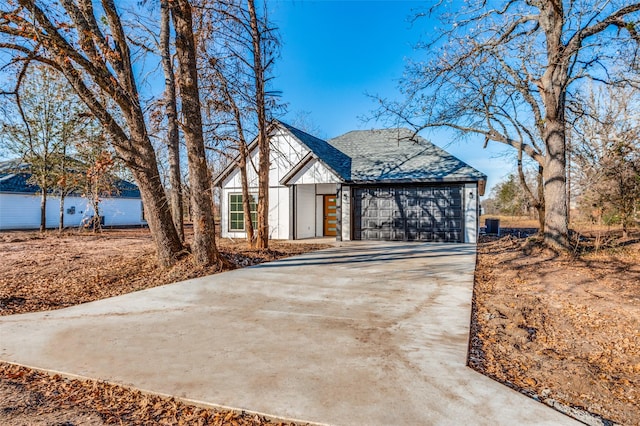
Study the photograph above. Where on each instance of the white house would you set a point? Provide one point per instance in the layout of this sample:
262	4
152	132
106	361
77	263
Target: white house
20	203
364	185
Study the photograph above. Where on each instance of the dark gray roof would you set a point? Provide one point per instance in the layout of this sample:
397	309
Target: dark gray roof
328	154
396	155
15	175
378	156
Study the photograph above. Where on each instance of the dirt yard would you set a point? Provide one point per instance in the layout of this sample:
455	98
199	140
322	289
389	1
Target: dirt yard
562	328
51	271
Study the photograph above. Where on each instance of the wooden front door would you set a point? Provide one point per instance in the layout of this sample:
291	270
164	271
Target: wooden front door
330	216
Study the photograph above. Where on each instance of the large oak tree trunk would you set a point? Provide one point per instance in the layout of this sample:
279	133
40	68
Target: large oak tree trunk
107	65
553	86
204	244
157	213
556	228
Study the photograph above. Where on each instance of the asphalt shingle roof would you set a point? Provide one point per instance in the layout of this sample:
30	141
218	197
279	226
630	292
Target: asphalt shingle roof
14	178
338	161
395	155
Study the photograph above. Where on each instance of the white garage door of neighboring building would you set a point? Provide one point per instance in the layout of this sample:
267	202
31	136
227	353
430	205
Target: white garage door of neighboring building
409	213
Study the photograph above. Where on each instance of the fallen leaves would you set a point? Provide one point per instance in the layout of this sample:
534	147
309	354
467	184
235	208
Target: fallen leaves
51	271
559	327
28	397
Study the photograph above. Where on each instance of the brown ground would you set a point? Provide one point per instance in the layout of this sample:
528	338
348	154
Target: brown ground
51	271
41	272
561	327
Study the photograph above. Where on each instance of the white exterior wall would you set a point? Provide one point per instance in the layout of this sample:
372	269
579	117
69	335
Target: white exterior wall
285	153
22	211
306	212
345	199
314	172
470	212
319	216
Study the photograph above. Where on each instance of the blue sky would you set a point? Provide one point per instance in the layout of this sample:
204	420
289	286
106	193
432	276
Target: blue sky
335	52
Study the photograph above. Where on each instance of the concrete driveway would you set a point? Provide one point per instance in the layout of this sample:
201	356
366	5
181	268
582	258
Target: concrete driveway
362	334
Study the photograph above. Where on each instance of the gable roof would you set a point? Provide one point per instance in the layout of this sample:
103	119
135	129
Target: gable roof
15	178
398	155
375	156
336	160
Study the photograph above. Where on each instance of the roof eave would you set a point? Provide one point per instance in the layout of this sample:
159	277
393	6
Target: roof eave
294	171
469	179
335	172
217	181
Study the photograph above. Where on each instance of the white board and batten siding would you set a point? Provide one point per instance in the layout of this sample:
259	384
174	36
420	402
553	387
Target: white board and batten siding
309	208
22	211
312	182
345	209
470	212
306	207
314	172
286	152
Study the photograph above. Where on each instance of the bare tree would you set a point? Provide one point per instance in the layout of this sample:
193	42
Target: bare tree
262	236
536	198
90	48
504	70
204	248
228	86
238	69
171	108
606	154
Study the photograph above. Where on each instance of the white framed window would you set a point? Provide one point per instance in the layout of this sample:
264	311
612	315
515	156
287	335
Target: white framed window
236	212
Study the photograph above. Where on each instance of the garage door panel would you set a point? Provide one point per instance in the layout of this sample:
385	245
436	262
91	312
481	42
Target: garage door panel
412	213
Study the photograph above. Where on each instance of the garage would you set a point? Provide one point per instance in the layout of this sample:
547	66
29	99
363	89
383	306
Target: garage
408	213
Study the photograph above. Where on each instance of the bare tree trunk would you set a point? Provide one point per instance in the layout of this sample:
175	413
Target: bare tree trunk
552	87
536	201
204	247
262	237
43	209
246	200
541	208
158	216
61	220
556	231
173	138
107	63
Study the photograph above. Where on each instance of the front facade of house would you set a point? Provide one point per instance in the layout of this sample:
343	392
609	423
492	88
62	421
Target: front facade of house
20	204
364	185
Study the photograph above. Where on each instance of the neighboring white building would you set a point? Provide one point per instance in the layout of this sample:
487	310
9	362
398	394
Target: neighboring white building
364	185
20	203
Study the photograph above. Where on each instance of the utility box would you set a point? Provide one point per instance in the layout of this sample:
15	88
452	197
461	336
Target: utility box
493	226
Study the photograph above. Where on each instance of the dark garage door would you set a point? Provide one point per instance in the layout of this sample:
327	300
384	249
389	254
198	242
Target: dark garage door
414	213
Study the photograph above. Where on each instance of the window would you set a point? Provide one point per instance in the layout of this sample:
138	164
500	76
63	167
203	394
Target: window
236	212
